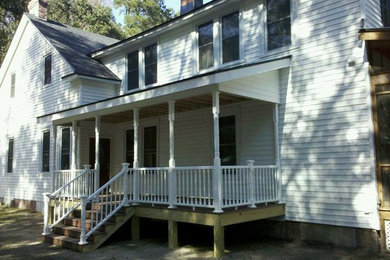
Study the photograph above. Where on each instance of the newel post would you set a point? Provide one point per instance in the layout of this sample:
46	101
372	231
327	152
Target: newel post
217	175
252	200
83	239
125	184
46	209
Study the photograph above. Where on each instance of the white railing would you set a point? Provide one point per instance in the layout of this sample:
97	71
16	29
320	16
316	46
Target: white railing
62	177
104	203
66	199
266	184
153	185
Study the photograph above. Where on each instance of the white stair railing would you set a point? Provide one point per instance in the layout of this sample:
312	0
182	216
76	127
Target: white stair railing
66	199
104	203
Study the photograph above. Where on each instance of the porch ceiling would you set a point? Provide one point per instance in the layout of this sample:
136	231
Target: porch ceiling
182	105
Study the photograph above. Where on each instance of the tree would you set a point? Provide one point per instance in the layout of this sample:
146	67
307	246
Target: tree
86	15
141	15
11	12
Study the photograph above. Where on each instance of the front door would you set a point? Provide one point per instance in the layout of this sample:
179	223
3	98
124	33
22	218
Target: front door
104	154
381	113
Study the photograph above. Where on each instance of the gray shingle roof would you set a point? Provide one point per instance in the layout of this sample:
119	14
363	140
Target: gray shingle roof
75	45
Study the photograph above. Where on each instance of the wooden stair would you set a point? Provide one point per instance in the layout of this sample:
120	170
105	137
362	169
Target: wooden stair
67	234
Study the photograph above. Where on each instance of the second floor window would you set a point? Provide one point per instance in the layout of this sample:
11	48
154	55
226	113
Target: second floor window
13	82
65	149
47	73
385	12
132	71
151	64
205	43
230	37
278	23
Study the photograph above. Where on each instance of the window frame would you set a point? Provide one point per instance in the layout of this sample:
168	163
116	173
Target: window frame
144	84
125	147
197	46
143	143
236	130
240	38
44	69
140	74
13	85
9	170
61	147
41	153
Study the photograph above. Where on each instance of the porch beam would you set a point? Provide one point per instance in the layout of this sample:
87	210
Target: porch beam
217	189
97	152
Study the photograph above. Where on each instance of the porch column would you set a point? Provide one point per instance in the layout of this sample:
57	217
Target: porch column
277	152
217	178
54	157
74	143
172	165
97	152
136	159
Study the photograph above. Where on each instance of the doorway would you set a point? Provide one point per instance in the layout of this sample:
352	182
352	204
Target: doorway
104	158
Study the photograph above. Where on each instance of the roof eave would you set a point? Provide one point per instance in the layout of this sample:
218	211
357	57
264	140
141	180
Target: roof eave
75	76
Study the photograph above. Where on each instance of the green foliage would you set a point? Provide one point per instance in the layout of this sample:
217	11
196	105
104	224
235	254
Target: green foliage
11	12
141	15
86	15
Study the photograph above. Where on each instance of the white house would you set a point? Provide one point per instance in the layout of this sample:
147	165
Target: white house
259	103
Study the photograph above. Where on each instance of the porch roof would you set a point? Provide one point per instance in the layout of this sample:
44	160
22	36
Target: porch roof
258	81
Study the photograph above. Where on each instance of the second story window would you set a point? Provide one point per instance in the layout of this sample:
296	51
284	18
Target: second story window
132	71
151	64
278	23
385	12
13	82
205	45
47	73
230	37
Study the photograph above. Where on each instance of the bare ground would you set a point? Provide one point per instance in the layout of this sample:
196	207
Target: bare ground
20	238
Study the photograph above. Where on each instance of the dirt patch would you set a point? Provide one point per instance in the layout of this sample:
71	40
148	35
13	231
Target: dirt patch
20	238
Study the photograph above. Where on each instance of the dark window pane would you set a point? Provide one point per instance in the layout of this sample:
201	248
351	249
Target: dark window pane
206	49
46	152
227	140
65	149
230	37
132	69
385	12
150	146
130	147
278	23
205	34
47	79
385	179
151	64
10	160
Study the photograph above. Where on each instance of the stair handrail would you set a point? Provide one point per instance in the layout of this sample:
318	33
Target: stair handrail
66	198
96	197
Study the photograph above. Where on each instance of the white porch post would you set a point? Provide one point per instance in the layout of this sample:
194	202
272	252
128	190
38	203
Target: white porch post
54	158
74	142
136	159
172	164
277	152
97	146
217	176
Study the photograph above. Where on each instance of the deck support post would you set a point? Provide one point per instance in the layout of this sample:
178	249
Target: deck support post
135	228
46	210
83	240
277	151
219	240
217	175
252	200
136	157
74	144
97	153
172	164
54	158
172	234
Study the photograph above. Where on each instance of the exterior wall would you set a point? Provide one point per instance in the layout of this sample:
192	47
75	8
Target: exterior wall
92	91
373	13
194	136
18	115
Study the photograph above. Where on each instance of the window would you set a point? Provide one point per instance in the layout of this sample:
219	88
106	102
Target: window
278	23
205	45
13	81
10	159
130	147
132	71
385	12
65	149
45	152
151	64
47	75
150	146
230	37
227	140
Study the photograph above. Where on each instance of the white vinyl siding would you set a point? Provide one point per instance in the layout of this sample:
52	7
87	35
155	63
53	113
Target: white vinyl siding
373	14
